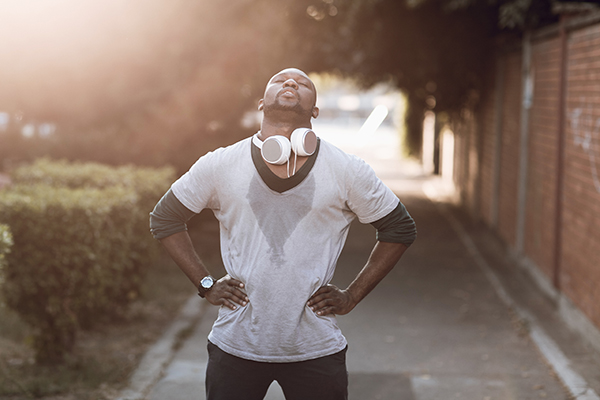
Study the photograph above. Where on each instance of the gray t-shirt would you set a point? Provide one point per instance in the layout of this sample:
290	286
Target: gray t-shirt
283	246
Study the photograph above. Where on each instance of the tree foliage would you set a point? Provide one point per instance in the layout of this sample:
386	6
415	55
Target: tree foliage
435	55
511	14
155	82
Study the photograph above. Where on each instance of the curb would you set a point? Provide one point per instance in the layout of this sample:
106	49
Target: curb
558	361
158	357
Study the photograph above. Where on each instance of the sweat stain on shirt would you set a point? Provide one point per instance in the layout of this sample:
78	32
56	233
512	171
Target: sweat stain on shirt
278	214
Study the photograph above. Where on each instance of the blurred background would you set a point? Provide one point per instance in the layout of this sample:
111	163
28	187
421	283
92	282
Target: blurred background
153	82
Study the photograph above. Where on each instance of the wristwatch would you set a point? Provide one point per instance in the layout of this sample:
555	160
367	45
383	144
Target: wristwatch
205	285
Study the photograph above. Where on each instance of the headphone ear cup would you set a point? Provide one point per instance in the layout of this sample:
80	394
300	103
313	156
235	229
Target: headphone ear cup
304	141
276	149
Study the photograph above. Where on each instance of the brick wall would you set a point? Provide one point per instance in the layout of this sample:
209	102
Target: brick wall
580	272
579	265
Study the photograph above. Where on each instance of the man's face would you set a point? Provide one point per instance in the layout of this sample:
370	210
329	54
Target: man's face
290	90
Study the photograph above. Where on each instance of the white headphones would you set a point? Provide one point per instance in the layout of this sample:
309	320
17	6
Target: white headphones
277	149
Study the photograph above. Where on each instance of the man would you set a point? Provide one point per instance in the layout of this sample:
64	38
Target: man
284	217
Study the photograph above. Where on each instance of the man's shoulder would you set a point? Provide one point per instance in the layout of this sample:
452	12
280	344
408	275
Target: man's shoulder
227	151
240	145
341	157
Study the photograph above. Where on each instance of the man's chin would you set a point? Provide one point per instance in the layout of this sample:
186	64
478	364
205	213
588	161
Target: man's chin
287	104
286	108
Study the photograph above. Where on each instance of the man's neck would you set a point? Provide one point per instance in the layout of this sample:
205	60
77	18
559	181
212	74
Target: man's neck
268	129
271	128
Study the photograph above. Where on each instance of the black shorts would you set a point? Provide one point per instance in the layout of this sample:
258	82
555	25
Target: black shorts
229	377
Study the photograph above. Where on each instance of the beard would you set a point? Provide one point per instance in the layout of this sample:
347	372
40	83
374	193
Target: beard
276	108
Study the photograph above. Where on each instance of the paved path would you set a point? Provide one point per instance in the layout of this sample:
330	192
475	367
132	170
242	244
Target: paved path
440	326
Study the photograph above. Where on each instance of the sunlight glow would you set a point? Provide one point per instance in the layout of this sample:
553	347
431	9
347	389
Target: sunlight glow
76	51
374	120
45	31
349	102
72	36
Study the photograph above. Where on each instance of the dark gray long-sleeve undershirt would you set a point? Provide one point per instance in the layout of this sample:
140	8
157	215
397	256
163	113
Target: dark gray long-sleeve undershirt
170	216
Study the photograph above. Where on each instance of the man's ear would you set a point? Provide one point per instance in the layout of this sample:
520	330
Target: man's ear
261	104
315	112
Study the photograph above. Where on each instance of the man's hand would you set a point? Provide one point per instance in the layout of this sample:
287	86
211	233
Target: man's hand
331	300
227	292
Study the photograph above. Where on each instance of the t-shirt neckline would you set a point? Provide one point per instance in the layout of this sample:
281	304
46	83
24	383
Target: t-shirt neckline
276	183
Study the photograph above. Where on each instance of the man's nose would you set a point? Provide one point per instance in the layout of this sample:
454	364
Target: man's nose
291	82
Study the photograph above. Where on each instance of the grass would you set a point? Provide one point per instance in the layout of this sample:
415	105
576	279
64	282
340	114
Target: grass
104	357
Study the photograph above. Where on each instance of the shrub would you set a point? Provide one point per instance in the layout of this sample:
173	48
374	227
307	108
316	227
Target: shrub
62	173
81	245
148	183
70	261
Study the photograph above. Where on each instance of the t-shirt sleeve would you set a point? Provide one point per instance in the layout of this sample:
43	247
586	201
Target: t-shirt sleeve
368	197
396	227
169	217
196	188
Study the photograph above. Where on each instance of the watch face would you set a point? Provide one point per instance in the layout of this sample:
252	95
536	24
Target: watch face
207	282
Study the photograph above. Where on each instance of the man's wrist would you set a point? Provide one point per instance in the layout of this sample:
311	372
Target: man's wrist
205	285
352	298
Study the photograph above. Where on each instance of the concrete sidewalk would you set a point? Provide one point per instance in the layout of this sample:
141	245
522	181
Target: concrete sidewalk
456	319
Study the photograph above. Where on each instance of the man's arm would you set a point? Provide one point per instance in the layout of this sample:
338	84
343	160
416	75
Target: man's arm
332	300
168	225
226	291
395	232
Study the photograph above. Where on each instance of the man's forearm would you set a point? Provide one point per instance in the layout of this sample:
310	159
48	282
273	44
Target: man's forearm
382	260
331	300
180	248
226	291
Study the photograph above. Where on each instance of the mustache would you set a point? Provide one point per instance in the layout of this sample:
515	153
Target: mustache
285	89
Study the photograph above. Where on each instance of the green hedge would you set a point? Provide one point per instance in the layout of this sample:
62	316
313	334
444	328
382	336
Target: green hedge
81	245
148	183
63	173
